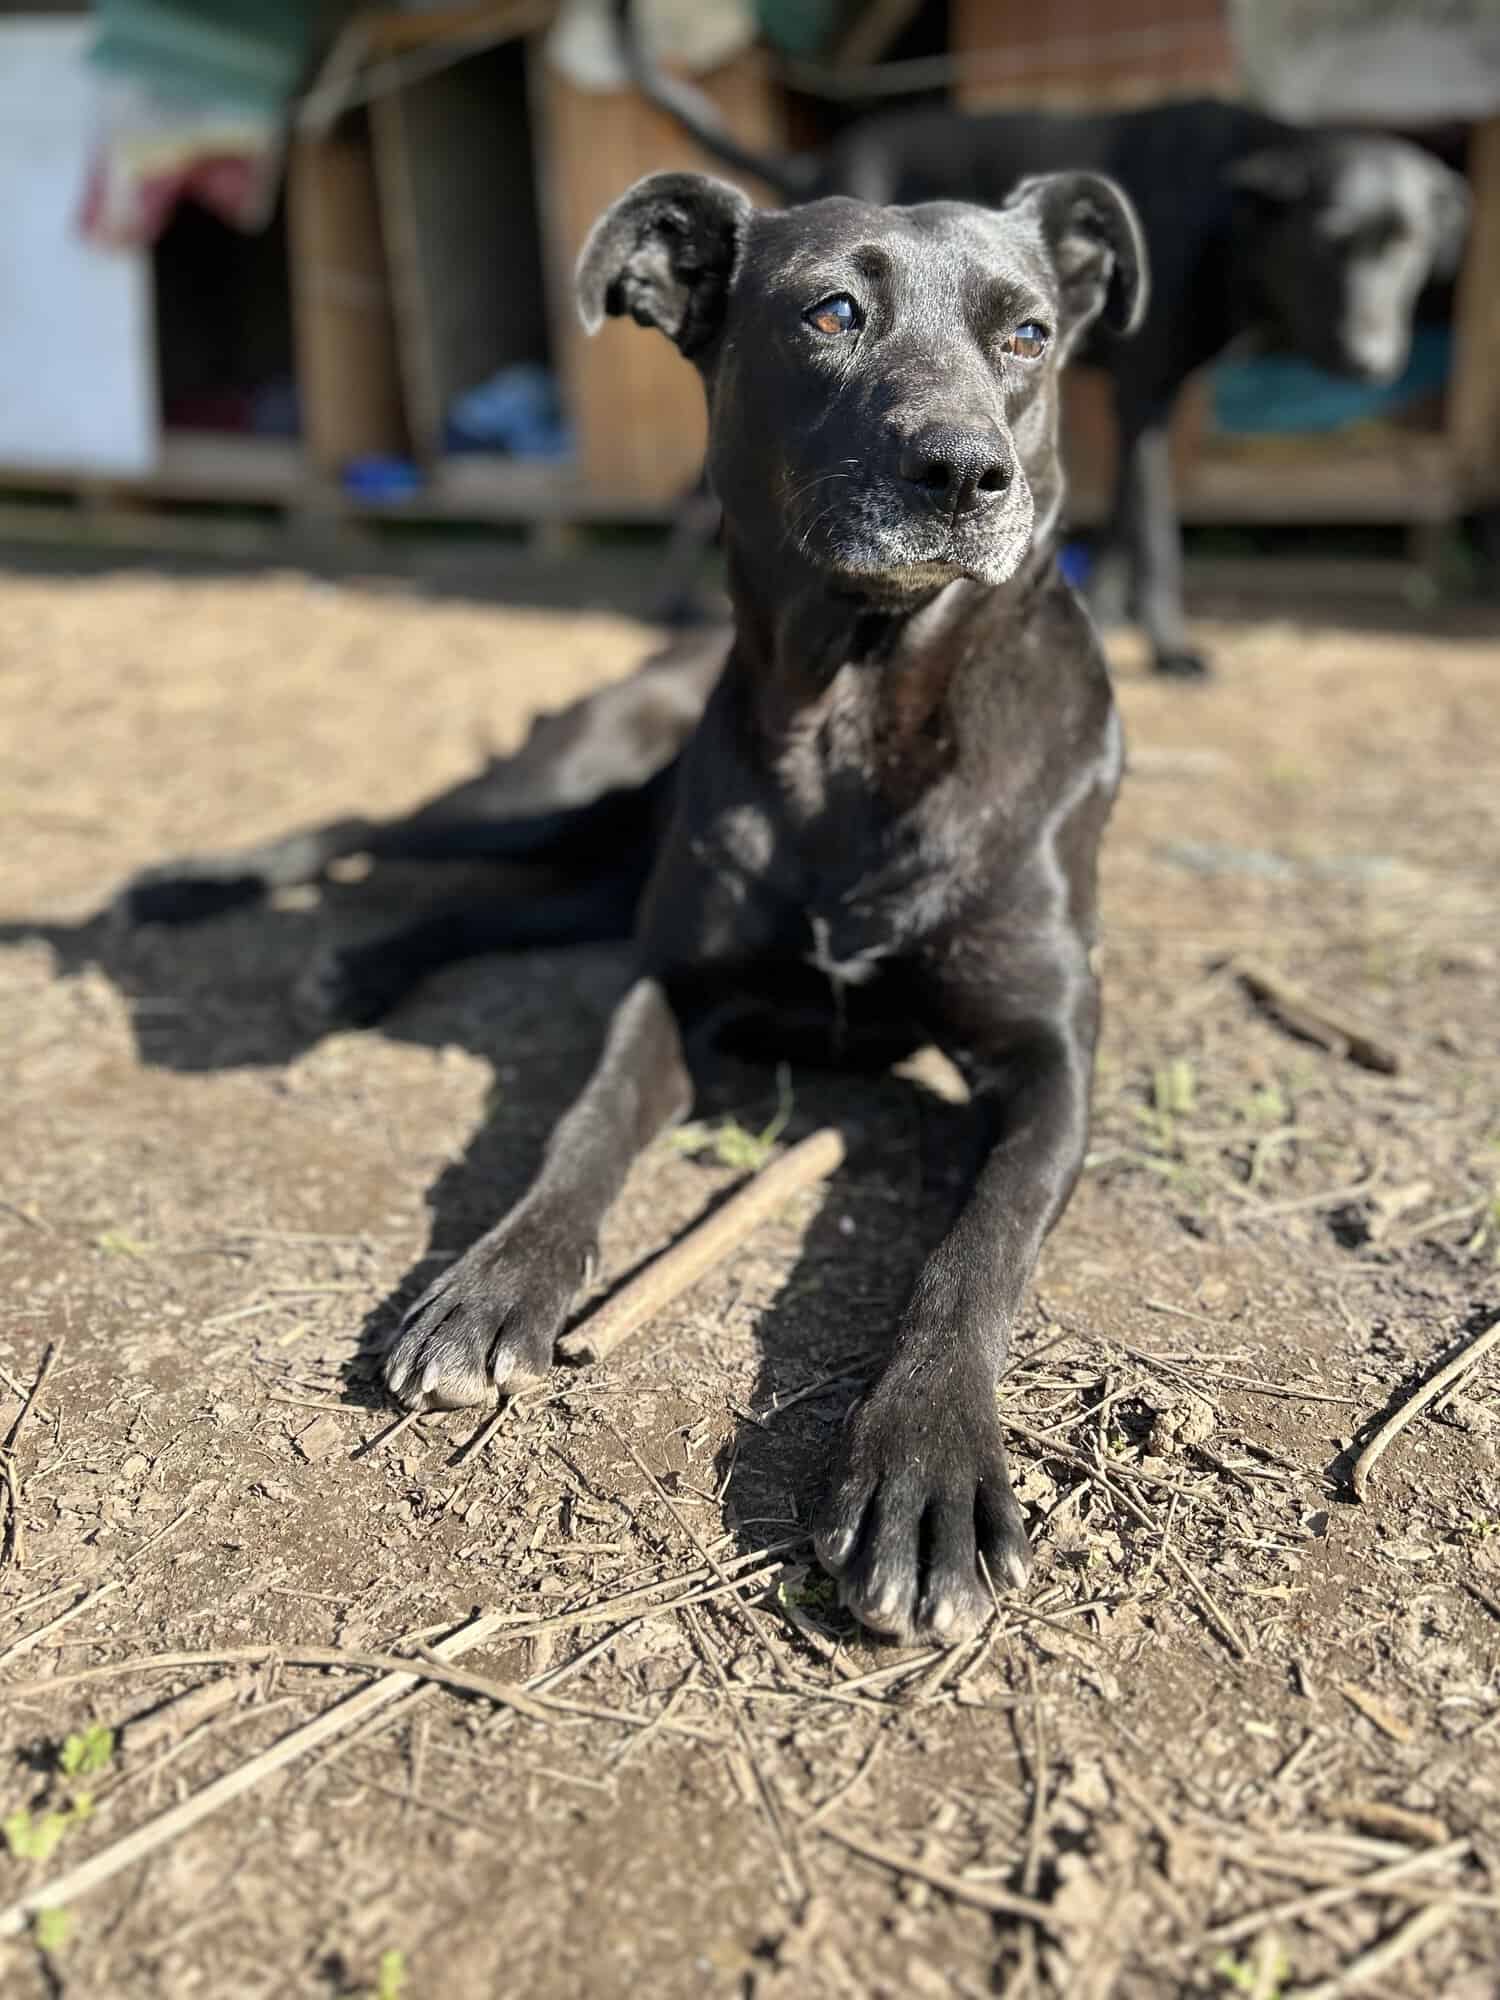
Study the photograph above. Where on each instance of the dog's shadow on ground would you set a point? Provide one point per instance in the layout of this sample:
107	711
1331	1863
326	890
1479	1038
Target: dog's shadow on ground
218	996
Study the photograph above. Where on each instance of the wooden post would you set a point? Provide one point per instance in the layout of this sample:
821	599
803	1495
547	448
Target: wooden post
1474	397
637	409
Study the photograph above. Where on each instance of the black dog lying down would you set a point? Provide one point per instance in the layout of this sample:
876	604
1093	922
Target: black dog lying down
883	831
1314	243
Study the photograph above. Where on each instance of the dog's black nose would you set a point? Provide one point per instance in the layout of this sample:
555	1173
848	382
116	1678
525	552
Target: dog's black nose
962	469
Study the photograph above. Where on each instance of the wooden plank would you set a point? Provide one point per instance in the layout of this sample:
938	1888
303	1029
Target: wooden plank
191	465
1090	52
347	369
454	159
636	406
1474	396
1397	476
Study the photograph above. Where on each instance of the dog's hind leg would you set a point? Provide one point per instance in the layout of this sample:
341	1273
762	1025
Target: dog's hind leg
203	885
452	828
1147	527
356	984
580	772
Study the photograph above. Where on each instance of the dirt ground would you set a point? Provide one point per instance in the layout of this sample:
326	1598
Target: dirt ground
1243	1733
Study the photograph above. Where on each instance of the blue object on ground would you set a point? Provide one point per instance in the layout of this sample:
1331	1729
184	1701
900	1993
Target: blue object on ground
518	411
1272	393
1076	563
377	478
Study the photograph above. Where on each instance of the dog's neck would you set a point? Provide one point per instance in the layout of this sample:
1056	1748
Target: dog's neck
801	637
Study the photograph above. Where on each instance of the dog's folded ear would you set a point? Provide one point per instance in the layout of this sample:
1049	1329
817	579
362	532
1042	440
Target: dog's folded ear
665	253
1094	238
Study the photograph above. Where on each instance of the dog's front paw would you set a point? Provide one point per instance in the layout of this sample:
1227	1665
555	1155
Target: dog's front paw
489	1322
919	1499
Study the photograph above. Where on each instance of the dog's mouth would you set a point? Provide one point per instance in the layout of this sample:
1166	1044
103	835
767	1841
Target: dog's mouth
885	543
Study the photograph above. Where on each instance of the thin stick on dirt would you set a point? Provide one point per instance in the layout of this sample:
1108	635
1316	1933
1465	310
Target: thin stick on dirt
706	1244
15	1538
33	1394
1216	1618
1429	1392
1379	1959
841	1792
482	1436
424	1665
1374	1880
388	1435
981	1895
633	1605
1318	1019
34	1638
120	1854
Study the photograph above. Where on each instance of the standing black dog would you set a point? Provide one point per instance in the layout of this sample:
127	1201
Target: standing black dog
1314	243
884	830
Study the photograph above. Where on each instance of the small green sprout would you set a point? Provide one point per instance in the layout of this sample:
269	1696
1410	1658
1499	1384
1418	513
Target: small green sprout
87	1752
37	1836
730	1143
390	1976
1245	1976
50	1929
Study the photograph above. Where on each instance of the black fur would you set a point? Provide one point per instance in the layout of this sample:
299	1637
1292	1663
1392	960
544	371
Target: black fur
887	821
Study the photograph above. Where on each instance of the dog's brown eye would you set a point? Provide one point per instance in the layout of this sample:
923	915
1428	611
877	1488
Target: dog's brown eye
1029	341
836	315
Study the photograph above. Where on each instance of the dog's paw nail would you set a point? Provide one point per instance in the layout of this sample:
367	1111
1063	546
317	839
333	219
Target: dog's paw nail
885	1608
835	1545
948	1618
506	1367
1016	1563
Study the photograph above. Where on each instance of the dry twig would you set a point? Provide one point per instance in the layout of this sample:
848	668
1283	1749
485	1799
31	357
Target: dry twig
15	1541
1429	1392
121	1854
1320	1020
1370	1883
982	1895
1369	1965
708	1243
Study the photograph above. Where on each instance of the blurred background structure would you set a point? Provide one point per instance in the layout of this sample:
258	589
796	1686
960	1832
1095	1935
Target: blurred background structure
292	269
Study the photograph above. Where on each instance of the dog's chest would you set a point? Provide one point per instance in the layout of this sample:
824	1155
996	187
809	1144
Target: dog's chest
862	846
848	948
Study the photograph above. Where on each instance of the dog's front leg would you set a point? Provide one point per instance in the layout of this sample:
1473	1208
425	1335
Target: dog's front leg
919	1518
491	1319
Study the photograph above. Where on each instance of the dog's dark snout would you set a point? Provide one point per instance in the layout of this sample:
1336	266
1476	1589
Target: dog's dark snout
964	469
